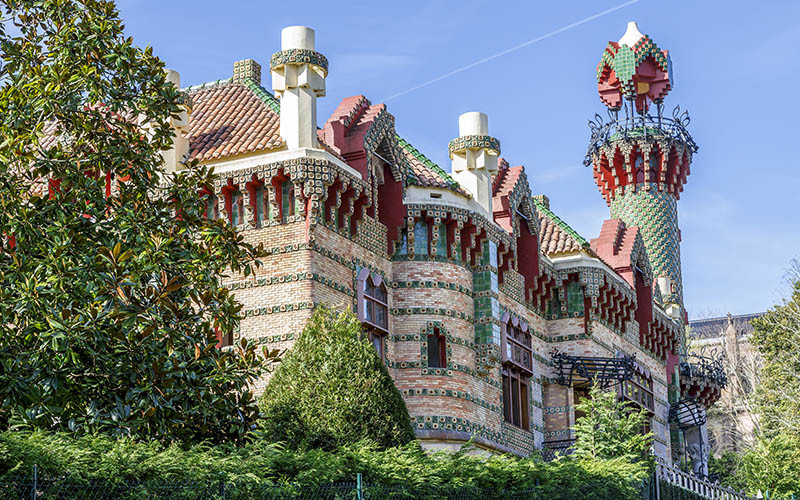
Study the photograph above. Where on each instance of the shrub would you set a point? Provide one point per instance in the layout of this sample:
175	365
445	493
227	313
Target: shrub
259	464
332	390
773	465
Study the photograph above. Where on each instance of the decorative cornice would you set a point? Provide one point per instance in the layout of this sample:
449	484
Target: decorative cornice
465	142
298	56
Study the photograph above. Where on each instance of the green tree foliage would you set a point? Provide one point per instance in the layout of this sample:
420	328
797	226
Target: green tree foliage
776	335
610	429
259	463
109	301
332	389
773	465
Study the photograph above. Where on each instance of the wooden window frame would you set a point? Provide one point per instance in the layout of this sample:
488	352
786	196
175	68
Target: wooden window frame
373	328
639	389
517	370
440	357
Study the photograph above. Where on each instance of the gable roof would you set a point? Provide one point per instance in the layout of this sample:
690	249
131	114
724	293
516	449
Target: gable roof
424	172
231	119
556	236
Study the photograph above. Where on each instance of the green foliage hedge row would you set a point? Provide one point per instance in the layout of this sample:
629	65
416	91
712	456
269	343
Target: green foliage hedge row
109	460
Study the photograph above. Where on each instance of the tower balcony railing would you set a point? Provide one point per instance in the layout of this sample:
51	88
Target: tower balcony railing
629	123
709	367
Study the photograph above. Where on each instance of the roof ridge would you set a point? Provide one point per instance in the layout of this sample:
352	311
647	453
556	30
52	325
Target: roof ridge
213	83
560	222
427	161
263	94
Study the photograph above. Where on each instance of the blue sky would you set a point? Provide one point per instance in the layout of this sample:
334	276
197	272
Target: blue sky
736	67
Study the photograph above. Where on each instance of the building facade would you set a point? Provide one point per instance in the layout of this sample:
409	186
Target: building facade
490	312
732	422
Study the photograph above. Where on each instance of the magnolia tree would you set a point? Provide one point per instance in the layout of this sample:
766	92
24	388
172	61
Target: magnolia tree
110	277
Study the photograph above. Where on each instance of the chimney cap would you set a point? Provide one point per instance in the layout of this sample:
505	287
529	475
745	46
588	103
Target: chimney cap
473	123
297	37
173	77
247	69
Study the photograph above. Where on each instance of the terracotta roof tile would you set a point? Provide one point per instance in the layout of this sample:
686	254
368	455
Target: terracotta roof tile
424	172
555	236
231	119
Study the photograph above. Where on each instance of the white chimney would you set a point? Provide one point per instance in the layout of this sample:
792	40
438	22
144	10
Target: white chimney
174	157
670	307
474	154
298	78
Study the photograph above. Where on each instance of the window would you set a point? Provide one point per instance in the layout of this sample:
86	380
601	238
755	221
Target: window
225	339
420	238
288	200
262	205
441	243
639	389
373	307
575	299
517	370
211	206
237	208
437	349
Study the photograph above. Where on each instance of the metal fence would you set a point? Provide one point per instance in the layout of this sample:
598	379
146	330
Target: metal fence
667	483
39	488
675	484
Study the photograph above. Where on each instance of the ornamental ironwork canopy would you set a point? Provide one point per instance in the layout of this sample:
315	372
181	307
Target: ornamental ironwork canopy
687	413
583	371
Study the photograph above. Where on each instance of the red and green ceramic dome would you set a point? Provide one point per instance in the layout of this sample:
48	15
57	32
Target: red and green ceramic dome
634	68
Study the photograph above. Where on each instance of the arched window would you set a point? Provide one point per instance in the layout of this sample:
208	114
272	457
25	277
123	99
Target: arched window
437	349
517	371
373	307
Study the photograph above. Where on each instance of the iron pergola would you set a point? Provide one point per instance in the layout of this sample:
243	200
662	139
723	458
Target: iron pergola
583	371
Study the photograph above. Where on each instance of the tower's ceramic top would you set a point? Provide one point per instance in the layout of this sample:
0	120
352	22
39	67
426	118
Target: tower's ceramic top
634	68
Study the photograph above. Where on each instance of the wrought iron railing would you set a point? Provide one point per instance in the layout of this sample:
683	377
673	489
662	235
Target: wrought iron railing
710	367
671	477
636	125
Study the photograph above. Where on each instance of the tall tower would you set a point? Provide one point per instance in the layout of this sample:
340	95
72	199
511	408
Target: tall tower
640	157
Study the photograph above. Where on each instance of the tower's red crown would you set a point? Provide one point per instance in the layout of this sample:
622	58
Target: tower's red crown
635	69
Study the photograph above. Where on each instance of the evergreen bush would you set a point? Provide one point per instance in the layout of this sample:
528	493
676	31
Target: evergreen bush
332	389
259	465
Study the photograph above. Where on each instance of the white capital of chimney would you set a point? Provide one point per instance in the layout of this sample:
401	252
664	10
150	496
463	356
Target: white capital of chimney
174	157
298	85
472	166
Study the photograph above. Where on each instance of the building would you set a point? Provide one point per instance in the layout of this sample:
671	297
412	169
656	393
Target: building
492	314
732	421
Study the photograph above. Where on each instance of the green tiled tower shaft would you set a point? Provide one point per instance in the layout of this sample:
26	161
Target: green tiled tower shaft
655	213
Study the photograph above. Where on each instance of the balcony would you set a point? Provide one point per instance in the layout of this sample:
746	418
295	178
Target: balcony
702	377
634	125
